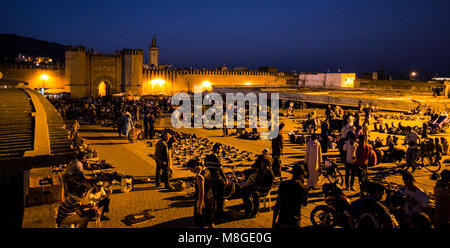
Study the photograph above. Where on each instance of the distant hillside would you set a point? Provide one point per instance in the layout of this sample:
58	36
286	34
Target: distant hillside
11	45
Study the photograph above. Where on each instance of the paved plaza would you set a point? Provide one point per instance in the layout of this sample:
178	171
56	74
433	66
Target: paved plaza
174	208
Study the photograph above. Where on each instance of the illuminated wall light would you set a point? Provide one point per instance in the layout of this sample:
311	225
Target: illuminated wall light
158	81
247	83
206	85
44	77
349	82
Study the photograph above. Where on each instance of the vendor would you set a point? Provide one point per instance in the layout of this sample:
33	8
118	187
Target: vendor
73	176
98	197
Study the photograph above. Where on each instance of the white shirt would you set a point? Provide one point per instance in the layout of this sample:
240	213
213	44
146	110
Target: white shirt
350	151
94	197
416	201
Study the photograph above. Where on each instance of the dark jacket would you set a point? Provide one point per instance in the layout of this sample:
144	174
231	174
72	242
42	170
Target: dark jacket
162	154
291	196
212	162
277	145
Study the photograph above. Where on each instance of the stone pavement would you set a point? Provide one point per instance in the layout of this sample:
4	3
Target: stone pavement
175	209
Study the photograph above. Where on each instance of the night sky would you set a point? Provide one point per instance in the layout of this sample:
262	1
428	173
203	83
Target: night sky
355	36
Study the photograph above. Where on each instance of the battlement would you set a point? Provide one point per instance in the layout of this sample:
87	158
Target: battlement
53	66
132	51
76	48
209	72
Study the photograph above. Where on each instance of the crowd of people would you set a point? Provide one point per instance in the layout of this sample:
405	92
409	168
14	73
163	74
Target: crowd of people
358	153
347	131
122	113
369	211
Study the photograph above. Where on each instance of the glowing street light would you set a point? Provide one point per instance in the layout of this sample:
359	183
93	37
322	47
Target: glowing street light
44	77
247	83
413	75
158	81
207	85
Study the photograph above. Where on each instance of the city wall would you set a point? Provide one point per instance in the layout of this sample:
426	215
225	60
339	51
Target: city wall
396	85
185	80
34	75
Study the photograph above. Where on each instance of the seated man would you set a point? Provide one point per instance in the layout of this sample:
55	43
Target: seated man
258	183
98	197
255	134
73	176
70	211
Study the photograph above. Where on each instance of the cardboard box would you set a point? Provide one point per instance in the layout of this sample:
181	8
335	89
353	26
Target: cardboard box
45	190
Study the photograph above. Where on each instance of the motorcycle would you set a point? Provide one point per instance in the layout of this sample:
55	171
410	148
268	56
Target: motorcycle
235	179
336	212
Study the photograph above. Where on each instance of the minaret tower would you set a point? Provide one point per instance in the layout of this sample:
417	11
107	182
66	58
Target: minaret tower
153	53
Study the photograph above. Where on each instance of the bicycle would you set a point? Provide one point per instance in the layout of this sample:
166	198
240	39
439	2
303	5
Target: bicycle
422	158
331	172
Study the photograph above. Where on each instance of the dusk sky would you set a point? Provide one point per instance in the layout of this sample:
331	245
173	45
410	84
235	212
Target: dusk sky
354	35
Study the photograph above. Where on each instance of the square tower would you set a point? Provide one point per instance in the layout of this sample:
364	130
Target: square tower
153	53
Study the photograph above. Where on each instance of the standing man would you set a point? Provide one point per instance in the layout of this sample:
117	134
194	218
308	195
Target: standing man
291	196
350	158
277	151
412	139
151	125
365	128
163	161
146	125
313	159
362	158
213	164
324	136
442	198
225	129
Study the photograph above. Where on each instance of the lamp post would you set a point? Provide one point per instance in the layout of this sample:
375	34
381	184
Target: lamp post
412	76
44	78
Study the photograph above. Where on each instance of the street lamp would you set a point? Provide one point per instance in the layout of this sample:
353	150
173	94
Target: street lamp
413	75
44	78
207	85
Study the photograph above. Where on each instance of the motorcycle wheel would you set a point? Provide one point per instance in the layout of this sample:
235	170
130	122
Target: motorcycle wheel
321	216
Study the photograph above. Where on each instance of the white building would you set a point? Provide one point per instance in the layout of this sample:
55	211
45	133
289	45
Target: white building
327	80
